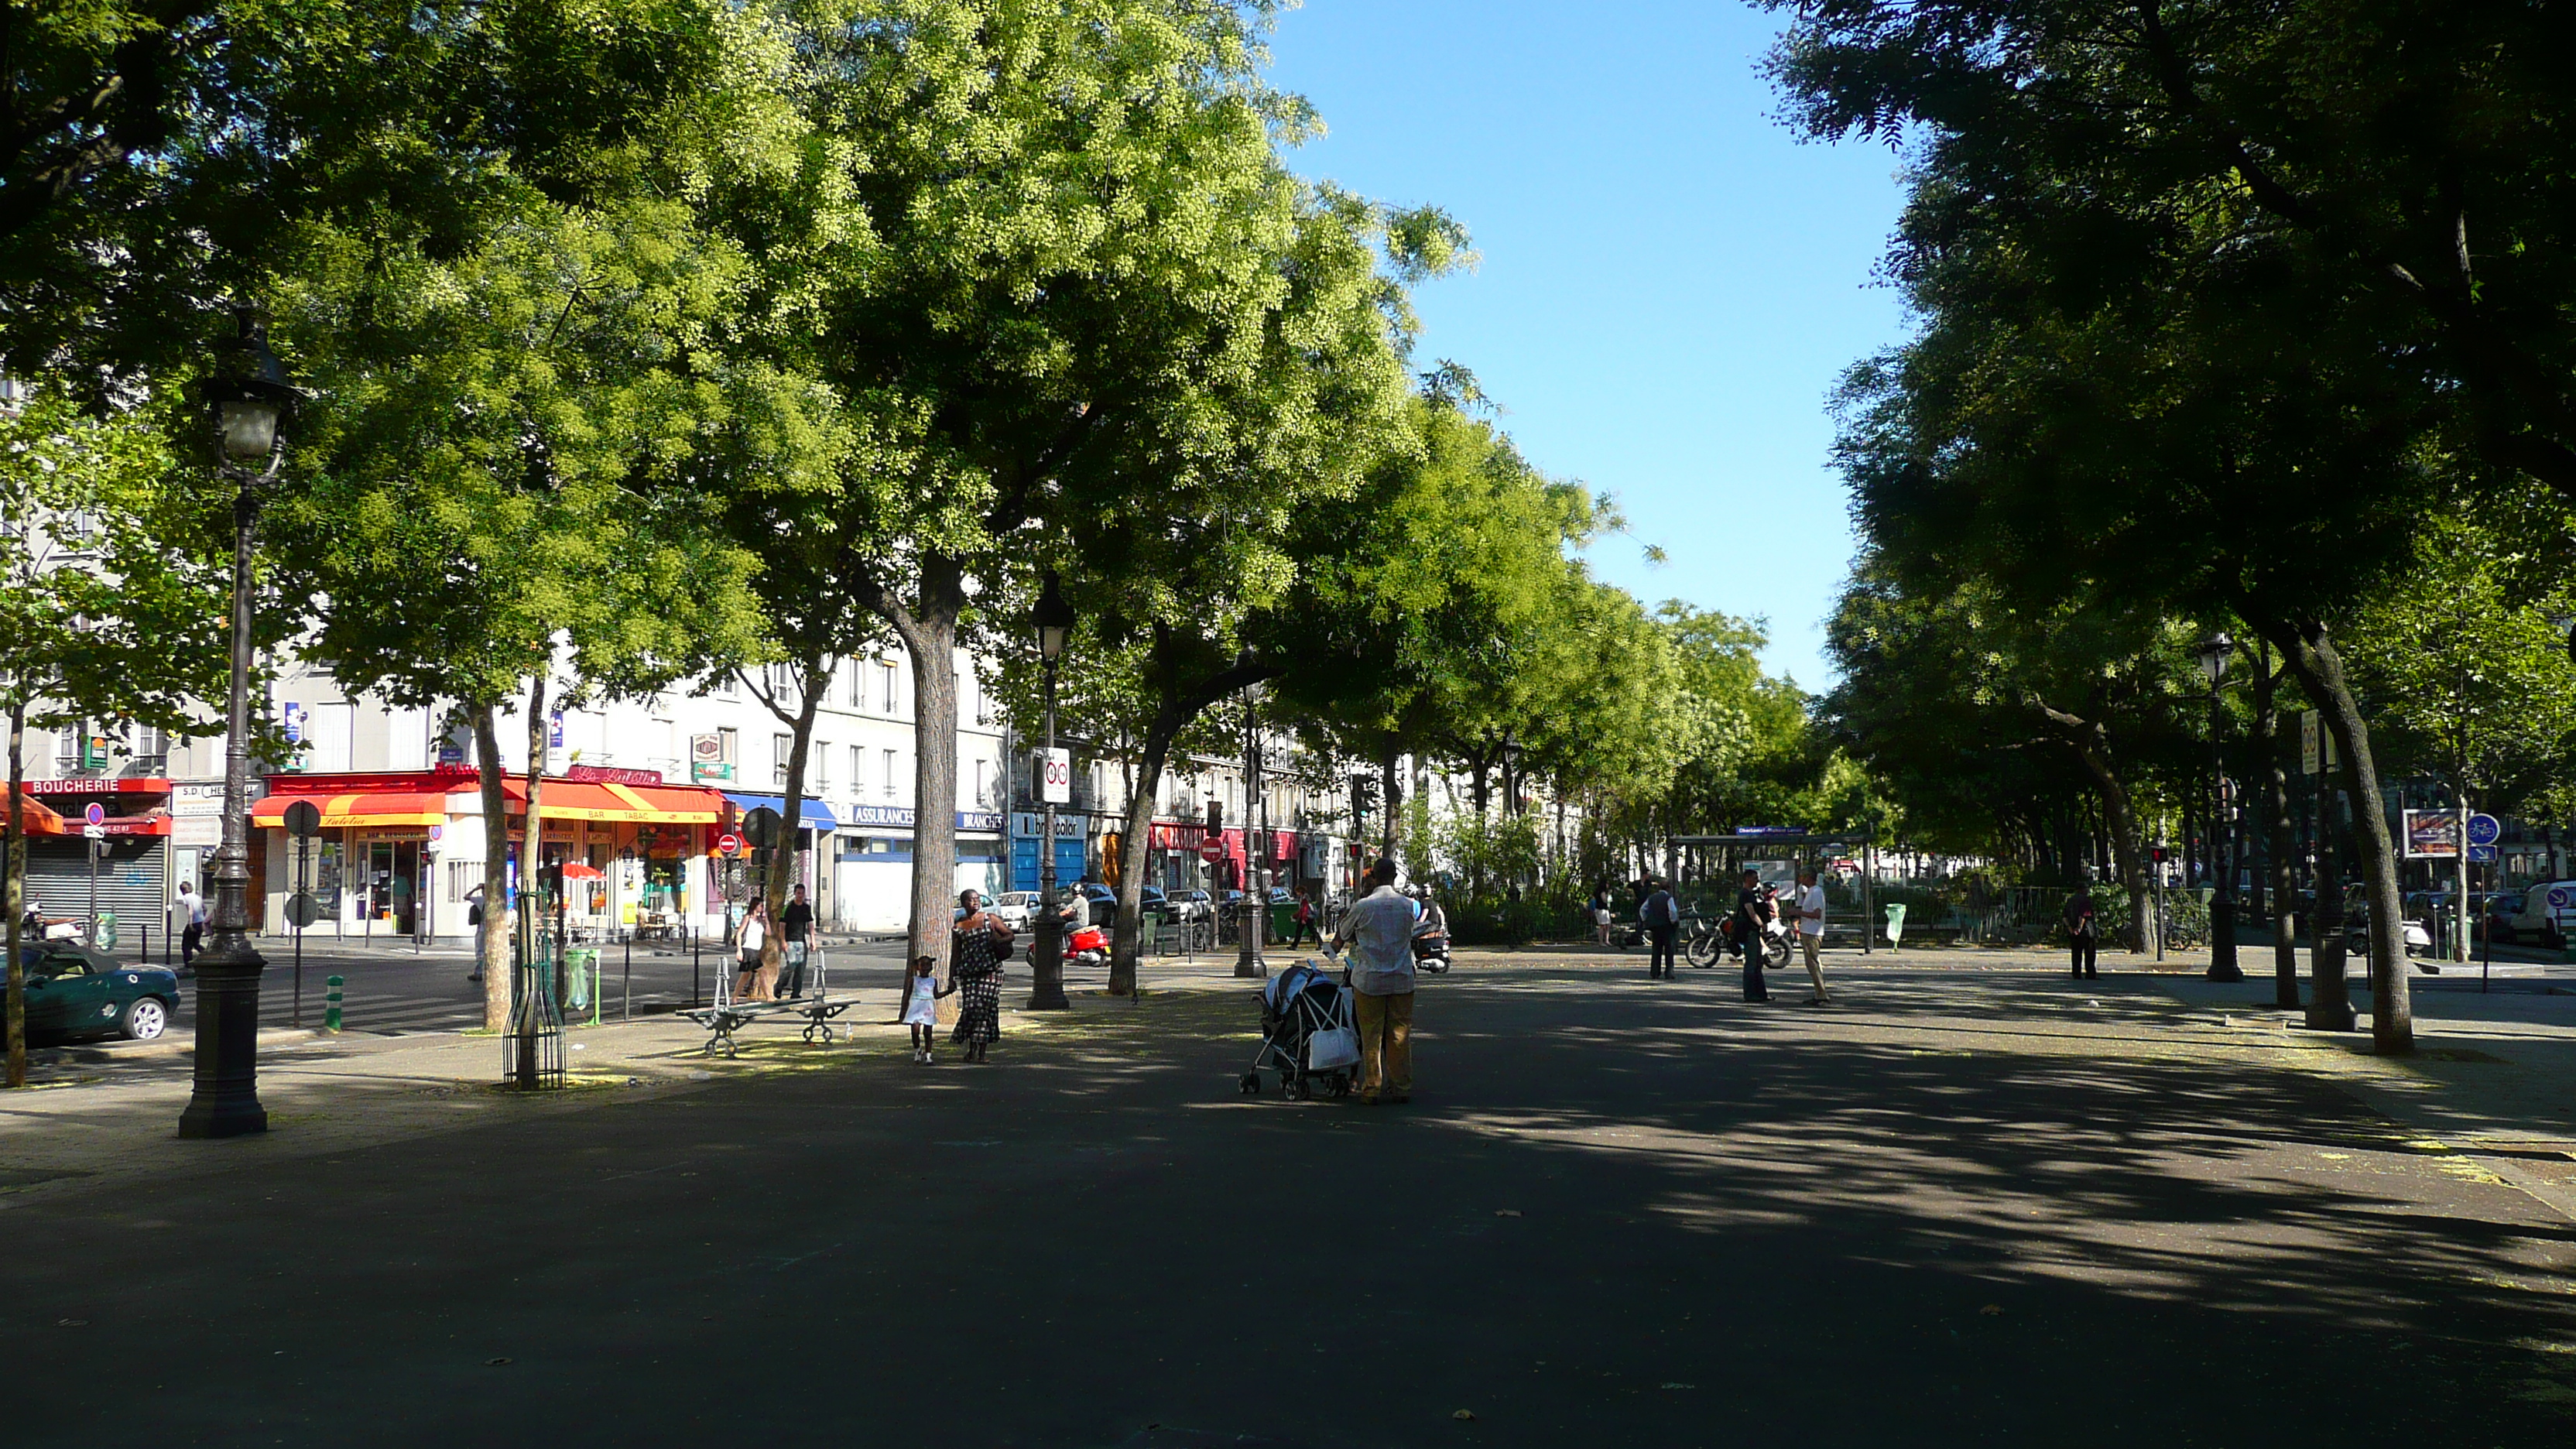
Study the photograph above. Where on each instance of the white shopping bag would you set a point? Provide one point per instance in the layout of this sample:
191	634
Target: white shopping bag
1336	1047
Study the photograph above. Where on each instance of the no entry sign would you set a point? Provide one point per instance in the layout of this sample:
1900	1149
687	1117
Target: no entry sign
728	844
1212	849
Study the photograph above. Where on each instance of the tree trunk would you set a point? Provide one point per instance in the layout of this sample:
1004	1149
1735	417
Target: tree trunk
2329	999
812	678
1127	942
2092	747
13	866
929	634
494	944
2319	665
2279	841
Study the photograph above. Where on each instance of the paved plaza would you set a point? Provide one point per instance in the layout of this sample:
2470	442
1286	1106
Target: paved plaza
1972	1202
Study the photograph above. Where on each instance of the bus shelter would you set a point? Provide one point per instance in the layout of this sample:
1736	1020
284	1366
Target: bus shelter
1723	858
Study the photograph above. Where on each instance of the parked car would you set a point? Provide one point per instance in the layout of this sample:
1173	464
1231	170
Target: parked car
1191	905
1016	908
2356	926
1150	901
75	990
1104	902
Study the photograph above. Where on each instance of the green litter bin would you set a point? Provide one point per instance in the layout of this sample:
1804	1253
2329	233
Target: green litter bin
1895	924
582	985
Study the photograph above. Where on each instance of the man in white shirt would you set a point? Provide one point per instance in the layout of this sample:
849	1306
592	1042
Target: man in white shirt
190	911
1380	927
1811	931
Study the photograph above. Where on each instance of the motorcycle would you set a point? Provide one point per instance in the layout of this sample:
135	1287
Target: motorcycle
1088	946
1431	953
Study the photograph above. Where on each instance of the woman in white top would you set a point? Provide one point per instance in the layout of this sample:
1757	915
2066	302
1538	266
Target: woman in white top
747	983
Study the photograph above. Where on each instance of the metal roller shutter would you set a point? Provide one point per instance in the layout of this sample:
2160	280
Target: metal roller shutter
131	882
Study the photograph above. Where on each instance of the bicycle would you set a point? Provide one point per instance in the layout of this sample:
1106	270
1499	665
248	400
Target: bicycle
2181	933
1704	944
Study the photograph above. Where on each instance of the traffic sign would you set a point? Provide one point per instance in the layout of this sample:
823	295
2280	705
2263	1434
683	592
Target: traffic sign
301	909
95	815
1055	776
728	844
303	820
94	832
760	827
2483	830
1212	849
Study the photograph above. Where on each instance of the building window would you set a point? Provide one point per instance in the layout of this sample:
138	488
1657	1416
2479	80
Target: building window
822	758
782	746
983	786
724	687
885	668
889	774
729	743
858	770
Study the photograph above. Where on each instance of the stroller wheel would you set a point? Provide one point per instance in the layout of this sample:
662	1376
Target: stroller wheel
1341	1086
1250	1086
1294	1089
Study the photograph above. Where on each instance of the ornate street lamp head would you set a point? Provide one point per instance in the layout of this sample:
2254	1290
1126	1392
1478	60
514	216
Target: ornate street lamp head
248	394
1054	617
2213	657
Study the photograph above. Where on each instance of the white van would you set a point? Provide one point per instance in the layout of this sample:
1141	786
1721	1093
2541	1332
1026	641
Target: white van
2548	910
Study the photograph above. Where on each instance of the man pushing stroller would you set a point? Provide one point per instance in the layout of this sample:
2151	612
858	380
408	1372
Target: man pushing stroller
1379	929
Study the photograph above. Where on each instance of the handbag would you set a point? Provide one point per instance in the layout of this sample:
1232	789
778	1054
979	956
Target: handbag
1333	1047
1004	950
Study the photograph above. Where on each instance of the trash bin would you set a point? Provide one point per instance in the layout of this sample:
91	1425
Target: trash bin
582	984
1283	919
1895	923
106	931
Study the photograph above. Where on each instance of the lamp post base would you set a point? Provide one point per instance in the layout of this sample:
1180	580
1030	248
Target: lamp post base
2222	943
1046	962
225	1099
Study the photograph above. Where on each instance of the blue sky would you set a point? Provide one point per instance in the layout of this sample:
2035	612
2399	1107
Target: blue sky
1671	284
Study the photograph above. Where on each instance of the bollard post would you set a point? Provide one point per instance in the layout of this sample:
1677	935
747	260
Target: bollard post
626	984
331	1003
696	996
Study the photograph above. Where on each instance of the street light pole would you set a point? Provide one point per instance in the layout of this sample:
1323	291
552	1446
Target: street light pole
224	1101
1055	620
1248	961
2222	902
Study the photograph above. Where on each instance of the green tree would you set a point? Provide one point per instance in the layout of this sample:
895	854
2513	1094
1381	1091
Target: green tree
116	605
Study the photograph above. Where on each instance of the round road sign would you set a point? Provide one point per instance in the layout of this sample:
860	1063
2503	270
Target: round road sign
760	827
2483	830
728	844
95	815
1212	849
303	820
300	909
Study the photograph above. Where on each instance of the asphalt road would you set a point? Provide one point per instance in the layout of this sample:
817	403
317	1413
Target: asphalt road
1615	1214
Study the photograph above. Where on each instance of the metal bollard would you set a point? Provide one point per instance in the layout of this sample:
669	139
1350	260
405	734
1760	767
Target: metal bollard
331	1003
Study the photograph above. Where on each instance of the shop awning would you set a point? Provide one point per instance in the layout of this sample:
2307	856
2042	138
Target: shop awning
607	800
38	817
818	816
363	807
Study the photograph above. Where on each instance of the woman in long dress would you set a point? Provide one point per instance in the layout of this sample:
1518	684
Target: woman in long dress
981	939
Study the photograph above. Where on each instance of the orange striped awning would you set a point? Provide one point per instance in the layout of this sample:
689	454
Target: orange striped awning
369	807
610	801
35	815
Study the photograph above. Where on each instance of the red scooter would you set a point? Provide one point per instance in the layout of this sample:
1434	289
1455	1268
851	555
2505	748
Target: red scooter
1087	946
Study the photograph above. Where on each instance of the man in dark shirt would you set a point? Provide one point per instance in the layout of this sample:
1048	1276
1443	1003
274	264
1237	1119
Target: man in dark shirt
1752	913
794	924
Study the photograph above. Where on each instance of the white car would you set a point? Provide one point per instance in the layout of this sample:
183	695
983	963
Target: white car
1015	908
2548	909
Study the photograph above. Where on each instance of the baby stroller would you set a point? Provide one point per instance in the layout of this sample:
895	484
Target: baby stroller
1309	1035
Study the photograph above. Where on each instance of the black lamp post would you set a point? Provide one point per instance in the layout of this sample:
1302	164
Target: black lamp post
1054	619
2222	901
250	402
1248	960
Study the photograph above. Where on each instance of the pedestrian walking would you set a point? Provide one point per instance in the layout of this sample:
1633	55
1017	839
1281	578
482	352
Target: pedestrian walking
921	995
191	914
2083	932
1302	925
795	929
1661	915
1752	915
982	941
1811	931
748	984
1379	928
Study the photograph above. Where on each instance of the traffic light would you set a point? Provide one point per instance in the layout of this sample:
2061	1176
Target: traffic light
1216	815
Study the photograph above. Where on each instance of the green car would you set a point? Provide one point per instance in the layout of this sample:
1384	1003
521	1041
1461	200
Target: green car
74	989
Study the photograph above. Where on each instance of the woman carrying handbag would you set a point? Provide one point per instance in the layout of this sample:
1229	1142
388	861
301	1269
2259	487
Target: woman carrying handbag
983	943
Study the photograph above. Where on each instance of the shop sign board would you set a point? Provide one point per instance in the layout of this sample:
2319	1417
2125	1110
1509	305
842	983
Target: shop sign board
707	758
1030	824
197	830
193	802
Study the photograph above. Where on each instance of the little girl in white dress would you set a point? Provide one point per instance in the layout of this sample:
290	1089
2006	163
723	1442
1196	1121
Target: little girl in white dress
920	1012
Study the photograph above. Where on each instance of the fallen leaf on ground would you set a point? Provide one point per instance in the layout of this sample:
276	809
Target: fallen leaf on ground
1462	1414
1992	1310
1507	1212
